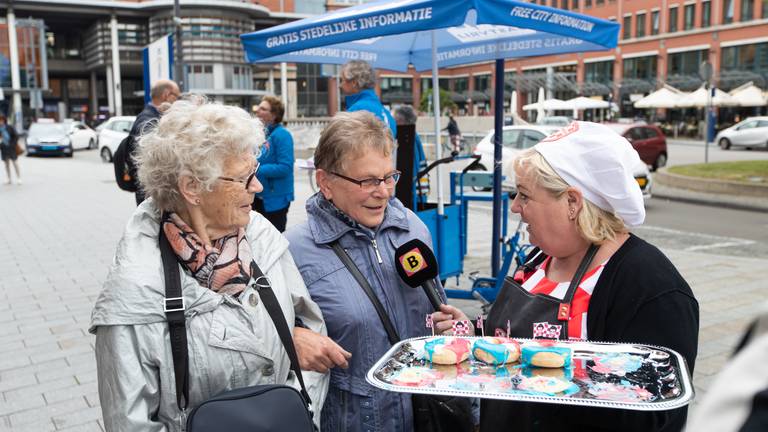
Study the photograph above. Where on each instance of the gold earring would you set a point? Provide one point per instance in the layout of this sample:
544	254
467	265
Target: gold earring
197	201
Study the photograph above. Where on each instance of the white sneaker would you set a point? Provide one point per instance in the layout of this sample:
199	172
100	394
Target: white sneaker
8	182
19	182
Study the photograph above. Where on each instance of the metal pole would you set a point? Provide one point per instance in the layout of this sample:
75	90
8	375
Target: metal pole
15	74
707	115
498	126
436	105
179	54
116	66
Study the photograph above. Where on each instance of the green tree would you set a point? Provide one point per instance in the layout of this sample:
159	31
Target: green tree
445	101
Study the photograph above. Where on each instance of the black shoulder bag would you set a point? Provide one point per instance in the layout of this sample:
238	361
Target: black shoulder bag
250	409
430	413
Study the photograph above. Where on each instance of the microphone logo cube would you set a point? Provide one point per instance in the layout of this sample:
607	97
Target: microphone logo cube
413	262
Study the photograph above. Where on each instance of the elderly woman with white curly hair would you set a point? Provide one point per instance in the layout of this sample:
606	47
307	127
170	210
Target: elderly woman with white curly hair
198	168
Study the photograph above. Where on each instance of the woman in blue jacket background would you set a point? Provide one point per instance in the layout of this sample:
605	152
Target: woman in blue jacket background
276	164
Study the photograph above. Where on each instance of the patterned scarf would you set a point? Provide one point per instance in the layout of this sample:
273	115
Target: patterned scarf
223	267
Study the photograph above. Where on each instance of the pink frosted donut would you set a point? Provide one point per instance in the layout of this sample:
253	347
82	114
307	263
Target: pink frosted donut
496	350
446	350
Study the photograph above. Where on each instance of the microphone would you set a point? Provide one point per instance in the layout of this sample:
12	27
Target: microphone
417	266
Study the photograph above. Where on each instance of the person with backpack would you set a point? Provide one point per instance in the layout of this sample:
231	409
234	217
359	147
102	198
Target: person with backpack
162	92
8	148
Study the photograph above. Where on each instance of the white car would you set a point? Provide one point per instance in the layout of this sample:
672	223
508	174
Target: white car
515	139
48	137
111	133
752	132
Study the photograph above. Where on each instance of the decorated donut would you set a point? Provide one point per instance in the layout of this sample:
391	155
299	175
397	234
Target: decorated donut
544	384
496	350
446	350
416	377
546	355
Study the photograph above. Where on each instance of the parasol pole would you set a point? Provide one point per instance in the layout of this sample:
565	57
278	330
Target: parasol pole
436	107
498	125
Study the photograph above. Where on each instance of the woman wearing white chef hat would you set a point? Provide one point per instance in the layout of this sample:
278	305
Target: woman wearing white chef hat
589	277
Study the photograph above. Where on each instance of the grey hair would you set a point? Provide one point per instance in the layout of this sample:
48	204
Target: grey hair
193	138
406	114
593	223
359	72
350	135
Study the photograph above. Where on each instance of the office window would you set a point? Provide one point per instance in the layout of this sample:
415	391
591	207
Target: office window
688	14
588	4
672	20
640	67
706	13
627	27
748	10
655	22
686	63
727	11
640	25
601	72
575	4
599	2
764	13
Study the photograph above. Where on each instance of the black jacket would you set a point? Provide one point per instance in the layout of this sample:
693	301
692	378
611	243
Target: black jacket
640	297
148	114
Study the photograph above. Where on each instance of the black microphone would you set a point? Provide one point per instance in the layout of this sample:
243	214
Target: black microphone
417	266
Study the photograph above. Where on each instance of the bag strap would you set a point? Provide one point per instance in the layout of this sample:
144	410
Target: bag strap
174	313
273	308
575	282
345	258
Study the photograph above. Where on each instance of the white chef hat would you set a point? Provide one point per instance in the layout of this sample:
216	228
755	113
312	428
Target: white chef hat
600	162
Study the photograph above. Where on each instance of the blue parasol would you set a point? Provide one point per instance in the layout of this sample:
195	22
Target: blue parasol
427	34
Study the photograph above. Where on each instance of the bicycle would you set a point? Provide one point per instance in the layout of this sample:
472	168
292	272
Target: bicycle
464	147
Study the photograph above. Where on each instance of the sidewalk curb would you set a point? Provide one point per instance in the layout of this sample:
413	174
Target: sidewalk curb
695	190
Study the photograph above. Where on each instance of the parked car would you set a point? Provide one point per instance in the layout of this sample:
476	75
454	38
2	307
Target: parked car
45	136
752	132
561	121
648	140
515	139
111	133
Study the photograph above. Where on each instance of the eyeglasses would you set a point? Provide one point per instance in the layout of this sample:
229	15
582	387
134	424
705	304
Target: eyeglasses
370	184
247	181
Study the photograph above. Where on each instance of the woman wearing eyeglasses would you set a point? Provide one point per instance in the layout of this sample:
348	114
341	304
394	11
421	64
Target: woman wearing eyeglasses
355	207
198	168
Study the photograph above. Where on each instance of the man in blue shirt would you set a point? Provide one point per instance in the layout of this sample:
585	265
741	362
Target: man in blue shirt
358	80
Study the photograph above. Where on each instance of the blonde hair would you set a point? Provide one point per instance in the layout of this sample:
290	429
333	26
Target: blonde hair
593	223
349	135
193	138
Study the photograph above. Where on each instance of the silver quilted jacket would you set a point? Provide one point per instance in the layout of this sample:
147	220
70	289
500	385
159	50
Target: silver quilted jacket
231	343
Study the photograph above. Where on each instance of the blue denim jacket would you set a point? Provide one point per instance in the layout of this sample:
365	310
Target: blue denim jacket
352	404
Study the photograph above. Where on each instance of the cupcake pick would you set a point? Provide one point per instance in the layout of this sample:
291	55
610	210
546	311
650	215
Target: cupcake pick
480	325
430	324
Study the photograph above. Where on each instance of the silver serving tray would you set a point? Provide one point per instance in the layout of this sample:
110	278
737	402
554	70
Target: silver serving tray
664	374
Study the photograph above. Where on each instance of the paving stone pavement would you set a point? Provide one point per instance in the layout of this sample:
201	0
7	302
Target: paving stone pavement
58	233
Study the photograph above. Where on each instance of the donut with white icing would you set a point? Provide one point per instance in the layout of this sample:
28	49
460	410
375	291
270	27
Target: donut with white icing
496	350
446	350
